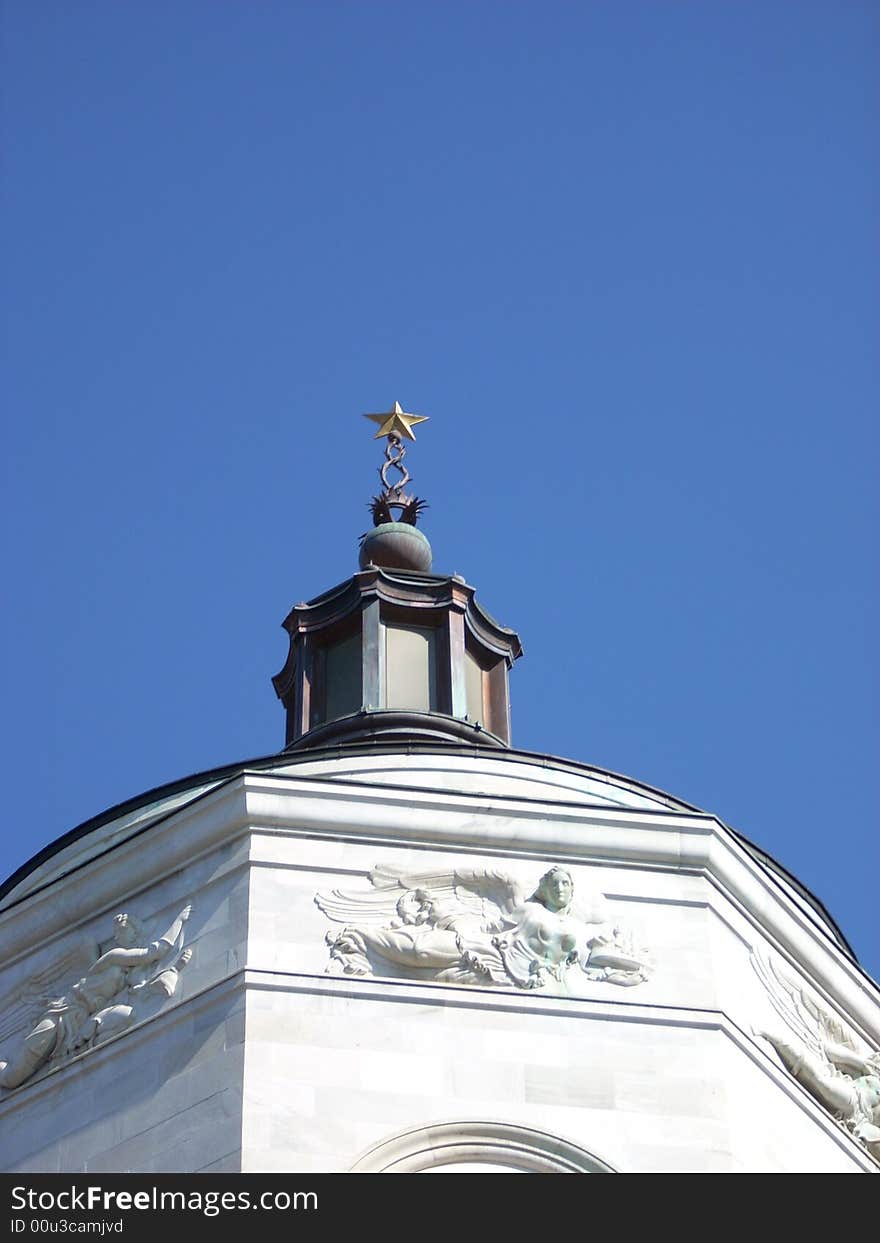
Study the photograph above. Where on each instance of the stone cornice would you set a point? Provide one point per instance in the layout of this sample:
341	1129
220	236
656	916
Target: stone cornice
264	803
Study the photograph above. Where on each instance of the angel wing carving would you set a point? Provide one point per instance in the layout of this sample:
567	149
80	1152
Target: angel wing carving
403	895
20	1006
802	1014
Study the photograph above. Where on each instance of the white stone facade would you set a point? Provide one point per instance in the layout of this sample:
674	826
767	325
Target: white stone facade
263	1061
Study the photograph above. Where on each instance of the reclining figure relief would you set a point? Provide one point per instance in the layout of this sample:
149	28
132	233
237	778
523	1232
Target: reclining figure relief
478	927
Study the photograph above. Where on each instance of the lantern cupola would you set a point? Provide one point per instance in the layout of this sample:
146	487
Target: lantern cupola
396	649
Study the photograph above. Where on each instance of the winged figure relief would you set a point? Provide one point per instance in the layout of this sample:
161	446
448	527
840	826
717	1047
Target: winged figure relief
117	988
837	1069
478	926
21	1006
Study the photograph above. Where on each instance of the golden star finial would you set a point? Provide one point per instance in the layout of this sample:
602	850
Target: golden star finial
396	422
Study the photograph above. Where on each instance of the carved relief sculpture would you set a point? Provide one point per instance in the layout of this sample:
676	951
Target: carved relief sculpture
478	927
123	985
838	1070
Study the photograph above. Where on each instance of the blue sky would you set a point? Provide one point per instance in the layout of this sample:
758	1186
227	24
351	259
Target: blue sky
623	255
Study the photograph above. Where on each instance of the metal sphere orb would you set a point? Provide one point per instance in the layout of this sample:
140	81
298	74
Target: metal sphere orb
396	546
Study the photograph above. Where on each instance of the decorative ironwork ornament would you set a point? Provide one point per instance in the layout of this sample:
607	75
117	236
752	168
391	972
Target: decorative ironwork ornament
394	503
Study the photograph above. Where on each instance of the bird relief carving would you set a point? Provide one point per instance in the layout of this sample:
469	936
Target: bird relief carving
838	1069
128	982
479	926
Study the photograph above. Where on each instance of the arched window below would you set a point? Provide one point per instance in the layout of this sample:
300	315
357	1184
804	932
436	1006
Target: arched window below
477	1148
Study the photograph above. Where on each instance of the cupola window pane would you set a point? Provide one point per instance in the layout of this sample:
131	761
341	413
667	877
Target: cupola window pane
410	669
343	680
473	679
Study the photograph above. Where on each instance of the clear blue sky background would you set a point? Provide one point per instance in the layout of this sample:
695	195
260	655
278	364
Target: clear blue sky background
624	255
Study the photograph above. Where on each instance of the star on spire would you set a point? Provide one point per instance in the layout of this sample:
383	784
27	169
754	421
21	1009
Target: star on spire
396	422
